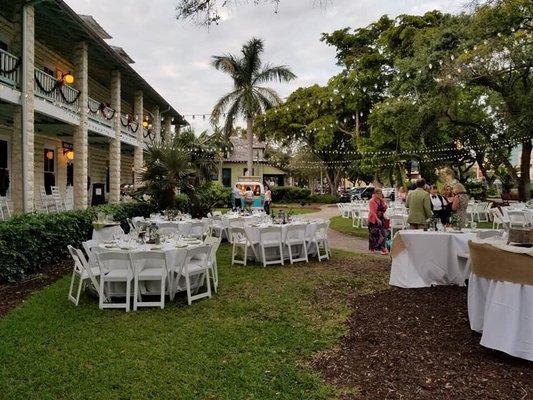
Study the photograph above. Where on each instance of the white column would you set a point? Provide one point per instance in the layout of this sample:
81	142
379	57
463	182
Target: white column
167	128
138	110
81	82
27	113
156	123
114	144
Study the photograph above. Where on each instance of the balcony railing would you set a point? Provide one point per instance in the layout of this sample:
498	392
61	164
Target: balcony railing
100	113
9	68
53	90
128	127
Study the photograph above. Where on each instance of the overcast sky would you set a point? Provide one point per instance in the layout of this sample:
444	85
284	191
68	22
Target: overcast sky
174	56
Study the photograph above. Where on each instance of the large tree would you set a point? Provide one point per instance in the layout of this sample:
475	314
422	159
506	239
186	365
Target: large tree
249	98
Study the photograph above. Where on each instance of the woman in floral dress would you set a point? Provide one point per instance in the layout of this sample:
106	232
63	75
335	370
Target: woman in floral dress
377	224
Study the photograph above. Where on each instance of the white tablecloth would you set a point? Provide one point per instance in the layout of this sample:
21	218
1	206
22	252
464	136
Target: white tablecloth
502	312
107	234
430	258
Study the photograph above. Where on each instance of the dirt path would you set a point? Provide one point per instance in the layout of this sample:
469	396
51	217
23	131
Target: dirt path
339	240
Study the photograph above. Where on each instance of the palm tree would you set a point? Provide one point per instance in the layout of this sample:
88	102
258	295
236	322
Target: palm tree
248	98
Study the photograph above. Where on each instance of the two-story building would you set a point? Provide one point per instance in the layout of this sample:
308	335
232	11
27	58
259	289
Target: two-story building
73	112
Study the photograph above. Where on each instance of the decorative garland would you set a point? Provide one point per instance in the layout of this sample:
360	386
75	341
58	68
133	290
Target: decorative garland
18	63
58	86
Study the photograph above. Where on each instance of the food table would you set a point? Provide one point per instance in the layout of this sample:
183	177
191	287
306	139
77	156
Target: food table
426	258
500	296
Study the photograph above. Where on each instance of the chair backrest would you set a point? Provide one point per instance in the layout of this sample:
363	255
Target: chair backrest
198	253
90	247
197	228
496	214
517	216
214	243
148	259
397	221
270	233
238	233
167	228
87	268
321	231
114	260
236	222
78	266
216	213
296	231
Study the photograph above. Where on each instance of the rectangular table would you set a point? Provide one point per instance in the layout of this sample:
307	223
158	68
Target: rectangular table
422	258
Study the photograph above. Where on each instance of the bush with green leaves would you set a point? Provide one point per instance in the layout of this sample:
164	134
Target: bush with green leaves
324	198
29	242
289	194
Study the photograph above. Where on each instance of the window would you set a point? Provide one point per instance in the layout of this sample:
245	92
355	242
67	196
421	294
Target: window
4	167
49	169
70	174
3	45
226	177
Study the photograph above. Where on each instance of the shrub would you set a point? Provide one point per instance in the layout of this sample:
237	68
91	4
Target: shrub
289	194
203	199
324	198
29	242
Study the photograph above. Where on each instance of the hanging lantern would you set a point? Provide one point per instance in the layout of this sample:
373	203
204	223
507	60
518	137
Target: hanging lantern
69	154
68	78
145	124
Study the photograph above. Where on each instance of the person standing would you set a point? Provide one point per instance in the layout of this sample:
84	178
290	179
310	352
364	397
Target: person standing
419	204
460	204
439	205
237	197
377	229
268	200
249	198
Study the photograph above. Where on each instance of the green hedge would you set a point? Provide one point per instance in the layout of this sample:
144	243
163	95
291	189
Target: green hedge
324	198
289	194
29	242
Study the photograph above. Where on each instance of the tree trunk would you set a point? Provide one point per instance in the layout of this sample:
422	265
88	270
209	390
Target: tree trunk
220	166
250	135
524	182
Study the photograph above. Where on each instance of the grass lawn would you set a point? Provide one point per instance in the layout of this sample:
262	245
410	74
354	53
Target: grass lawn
344	225
253	340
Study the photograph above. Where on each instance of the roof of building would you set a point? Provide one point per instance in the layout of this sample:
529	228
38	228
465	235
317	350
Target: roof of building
59	26
240	150
123	54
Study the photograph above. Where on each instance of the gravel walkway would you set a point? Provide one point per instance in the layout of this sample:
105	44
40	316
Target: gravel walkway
338	240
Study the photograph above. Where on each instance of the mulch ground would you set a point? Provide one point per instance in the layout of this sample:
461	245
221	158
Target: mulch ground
417	344
12	295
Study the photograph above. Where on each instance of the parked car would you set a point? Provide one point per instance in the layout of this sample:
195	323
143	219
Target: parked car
363	193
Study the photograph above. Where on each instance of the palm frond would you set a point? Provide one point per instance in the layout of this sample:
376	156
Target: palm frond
251	60
222	104
280	73
227	63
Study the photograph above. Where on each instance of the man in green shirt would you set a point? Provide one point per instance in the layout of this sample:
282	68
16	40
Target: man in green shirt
419	205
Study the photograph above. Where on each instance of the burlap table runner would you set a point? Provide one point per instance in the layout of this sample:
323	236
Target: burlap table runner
104	224
490	262
398	245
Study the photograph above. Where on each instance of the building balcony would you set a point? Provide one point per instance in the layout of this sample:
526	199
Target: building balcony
58	100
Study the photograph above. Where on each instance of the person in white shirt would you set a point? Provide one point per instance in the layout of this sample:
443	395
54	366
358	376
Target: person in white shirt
249	197
268	200
237	197
439	205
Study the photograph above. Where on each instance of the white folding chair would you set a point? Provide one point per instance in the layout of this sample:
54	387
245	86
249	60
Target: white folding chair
270	237
497	218
115	266
363	216
69	198
320	238
356	221
83	272
214	243
517	219
57	199
217	228
149	266
397	222
239	240
196	262
91	247
295	236
198	229
471	211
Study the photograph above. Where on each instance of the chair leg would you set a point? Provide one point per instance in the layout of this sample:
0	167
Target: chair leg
289	248
80	284
135	292
163	281
208	283
70	297
305	251
245	254
128	293
281	253
318	251
188	286
102	295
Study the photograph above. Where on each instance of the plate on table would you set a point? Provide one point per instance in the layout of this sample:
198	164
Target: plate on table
110	246
155	247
